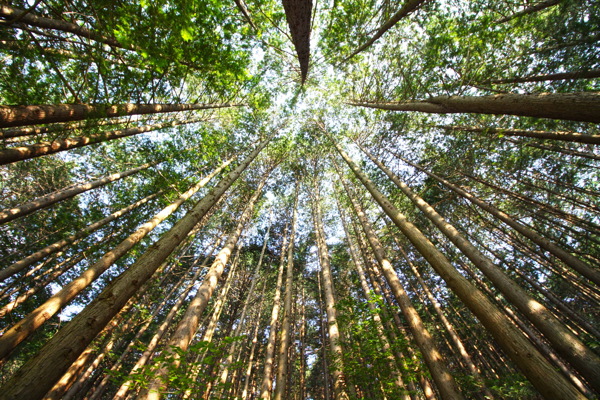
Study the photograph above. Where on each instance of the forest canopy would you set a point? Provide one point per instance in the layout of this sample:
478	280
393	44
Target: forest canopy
255	199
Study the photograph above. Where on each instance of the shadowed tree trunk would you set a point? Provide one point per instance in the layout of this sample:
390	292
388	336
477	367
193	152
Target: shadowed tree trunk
44	114
298	14
556	135
582	106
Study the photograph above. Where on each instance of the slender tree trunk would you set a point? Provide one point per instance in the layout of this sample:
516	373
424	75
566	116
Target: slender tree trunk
248	374
542	375
54	247
593	274
41	314
433	358
567	344
186	329
25	16
67	344
582	106
14	154
284	343
49	199
64	127
552	135
529	10
339	384
267	381
407	8
44	114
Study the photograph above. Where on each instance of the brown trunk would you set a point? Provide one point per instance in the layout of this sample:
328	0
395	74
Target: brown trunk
433	358
267	381
594	73
408	7
66	345
59	195
284	342
581	106
552	135
542	375
44	114
14	154
298	14
339	384
529	10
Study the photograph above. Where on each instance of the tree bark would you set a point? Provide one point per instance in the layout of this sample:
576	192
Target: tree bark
408	7
529	10
433	358
14	154
284	342
55	197
542	375
552	135
267	381
594	73
44	114
339	384
65	346
580	106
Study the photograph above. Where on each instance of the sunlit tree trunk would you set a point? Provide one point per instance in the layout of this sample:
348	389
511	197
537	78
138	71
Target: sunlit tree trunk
433	358
582	106
551	135
563	340
44	114
267	381
57	246
339	384
572	261
284	343
66	193
20	153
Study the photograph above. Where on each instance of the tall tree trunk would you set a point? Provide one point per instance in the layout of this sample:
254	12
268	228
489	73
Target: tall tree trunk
267	381
41	314
56	246
44	114
433	358
14	154
542	375
563	340
541	5
590	74
593	274
581	106
64	127
407	8
59	195
552	135
25	16
339	384
284	343
66	345
186	329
